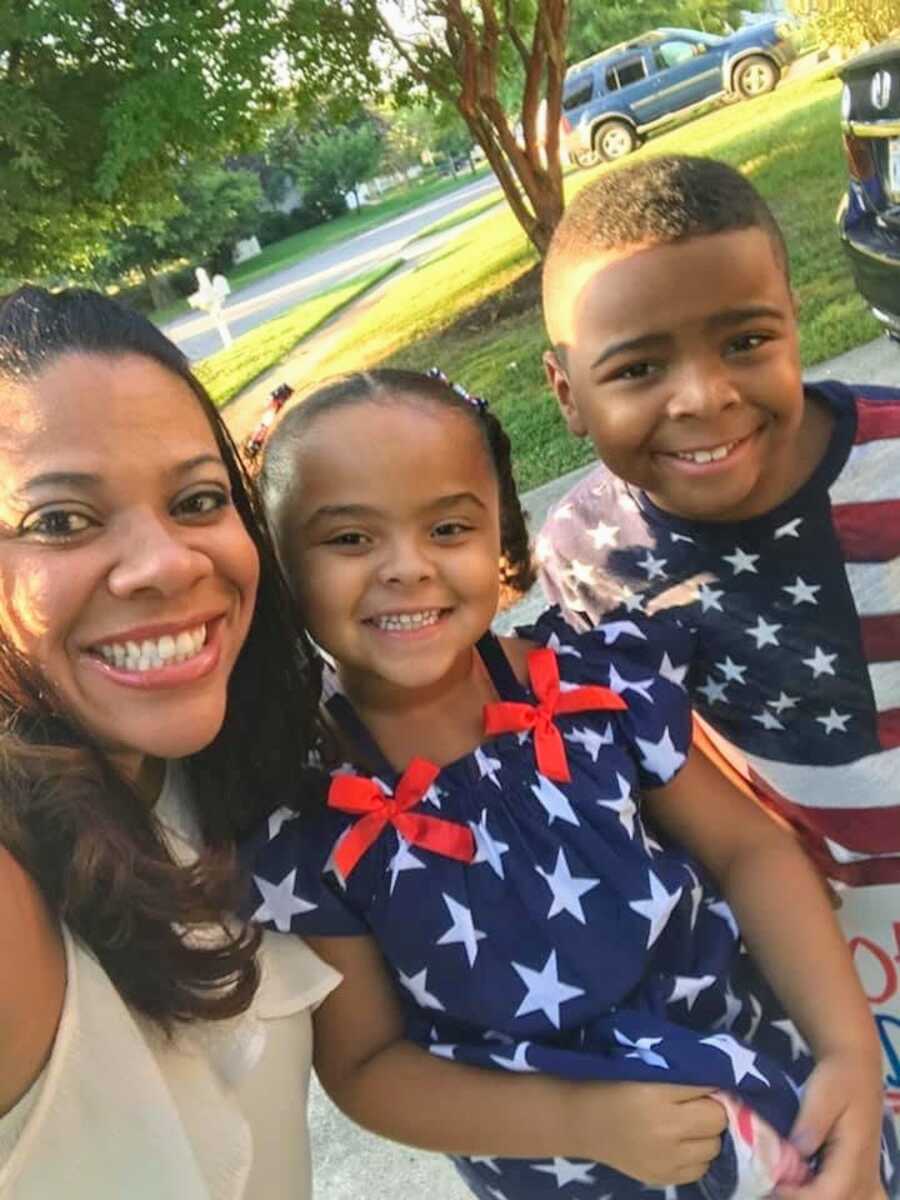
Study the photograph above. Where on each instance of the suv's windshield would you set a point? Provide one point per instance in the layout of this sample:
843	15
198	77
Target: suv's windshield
577	91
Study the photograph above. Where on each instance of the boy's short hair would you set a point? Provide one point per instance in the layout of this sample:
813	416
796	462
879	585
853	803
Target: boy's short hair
658	201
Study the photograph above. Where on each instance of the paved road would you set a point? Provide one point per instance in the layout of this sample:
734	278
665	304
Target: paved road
268	297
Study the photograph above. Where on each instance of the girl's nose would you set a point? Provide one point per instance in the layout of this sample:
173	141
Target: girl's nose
155	556
406	563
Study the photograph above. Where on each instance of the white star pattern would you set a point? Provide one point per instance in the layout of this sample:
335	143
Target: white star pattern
331	866
689	987
741	561
835	721
567	1172
653	566
789	528
669	671
403	860
623	805
519	1060
582	573
732	671
417	986
554	802
767	720
462	931
603	535
620	685
803	593
611	631
755	1018
279	904
724	913
487	849
546	992
820	663
710	597
278	818
559	648
567	889
632	601
733	1009
483	1161
434	795
742	1060
643	1049
764	633
713	691
784	702
681	537
591	740
789	1029
442	1050
696	895
661	758
497	1194
657	909
488	767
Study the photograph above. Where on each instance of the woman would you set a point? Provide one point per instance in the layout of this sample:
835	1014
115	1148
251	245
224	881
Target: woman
154	703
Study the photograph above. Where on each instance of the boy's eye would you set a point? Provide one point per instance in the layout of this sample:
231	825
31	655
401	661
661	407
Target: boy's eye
746	342
202	504
56	524
352	539
640	370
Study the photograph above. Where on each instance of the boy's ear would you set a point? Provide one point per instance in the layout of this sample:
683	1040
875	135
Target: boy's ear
562	390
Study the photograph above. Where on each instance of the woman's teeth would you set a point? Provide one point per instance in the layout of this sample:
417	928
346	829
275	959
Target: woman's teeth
156	652
706	456
401	622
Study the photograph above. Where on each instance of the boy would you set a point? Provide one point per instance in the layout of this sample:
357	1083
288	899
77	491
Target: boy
762	513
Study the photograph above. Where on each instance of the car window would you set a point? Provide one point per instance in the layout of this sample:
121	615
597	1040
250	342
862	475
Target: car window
625	73
670	54
578	92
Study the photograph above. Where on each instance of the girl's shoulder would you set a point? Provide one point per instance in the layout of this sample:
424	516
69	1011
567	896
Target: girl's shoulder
660	644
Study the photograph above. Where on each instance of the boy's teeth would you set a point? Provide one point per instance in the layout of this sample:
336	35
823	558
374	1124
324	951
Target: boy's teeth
705	456
398	622
154	652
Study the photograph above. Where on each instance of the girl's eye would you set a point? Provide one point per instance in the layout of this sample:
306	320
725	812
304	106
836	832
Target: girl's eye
351	539
56	524
451	529
202	504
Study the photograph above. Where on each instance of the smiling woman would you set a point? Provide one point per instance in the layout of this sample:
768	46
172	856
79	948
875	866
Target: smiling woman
151	682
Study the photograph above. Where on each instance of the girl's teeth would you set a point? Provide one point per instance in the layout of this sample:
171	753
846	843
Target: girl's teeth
400	622
154	652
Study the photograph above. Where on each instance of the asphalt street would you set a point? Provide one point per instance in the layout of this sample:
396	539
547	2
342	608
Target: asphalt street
196	334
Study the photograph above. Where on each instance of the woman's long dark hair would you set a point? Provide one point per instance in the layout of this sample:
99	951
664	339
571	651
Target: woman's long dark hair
77	826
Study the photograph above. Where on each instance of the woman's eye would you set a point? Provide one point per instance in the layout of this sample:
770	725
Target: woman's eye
56	523
202	504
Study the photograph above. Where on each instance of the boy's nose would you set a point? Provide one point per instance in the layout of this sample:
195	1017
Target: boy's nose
703	390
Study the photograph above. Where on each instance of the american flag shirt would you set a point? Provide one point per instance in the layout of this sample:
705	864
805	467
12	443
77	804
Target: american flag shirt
572	942
797	661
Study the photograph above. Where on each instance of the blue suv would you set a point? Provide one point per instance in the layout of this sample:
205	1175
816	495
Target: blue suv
615	99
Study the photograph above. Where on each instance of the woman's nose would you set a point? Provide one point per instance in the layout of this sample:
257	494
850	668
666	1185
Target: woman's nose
156	555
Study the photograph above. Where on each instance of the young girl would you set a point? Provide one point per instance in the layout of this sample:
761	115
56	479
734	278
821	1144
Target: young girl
502	870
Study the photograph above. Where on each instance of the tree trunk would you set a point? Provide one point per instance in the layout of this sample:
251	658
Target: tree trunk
161	291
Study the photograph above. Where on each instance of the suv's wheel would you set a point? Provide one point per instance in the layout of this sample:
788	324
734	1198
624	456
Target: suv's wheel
755	76
614	139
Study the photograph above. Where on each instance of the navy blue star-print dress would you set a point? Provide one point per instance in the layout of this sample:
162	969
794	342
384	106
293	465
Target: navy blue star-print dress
574	942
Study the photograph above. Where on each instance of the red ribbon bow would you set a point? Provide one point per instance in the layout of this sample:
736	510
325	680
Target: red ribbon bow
510	717
355	794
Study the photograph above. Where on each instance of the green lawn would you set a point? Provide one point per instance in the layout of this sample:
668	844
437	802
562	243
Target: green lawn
229	371
292	250
475	209
787	143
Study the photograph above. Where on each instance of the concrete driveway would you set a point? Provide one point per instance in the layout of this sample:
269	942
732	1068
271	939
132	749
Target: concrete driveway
259	302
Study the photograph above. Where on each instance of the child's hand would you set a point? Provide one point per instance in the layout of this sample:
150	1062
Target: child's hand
841	1114
658	1133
